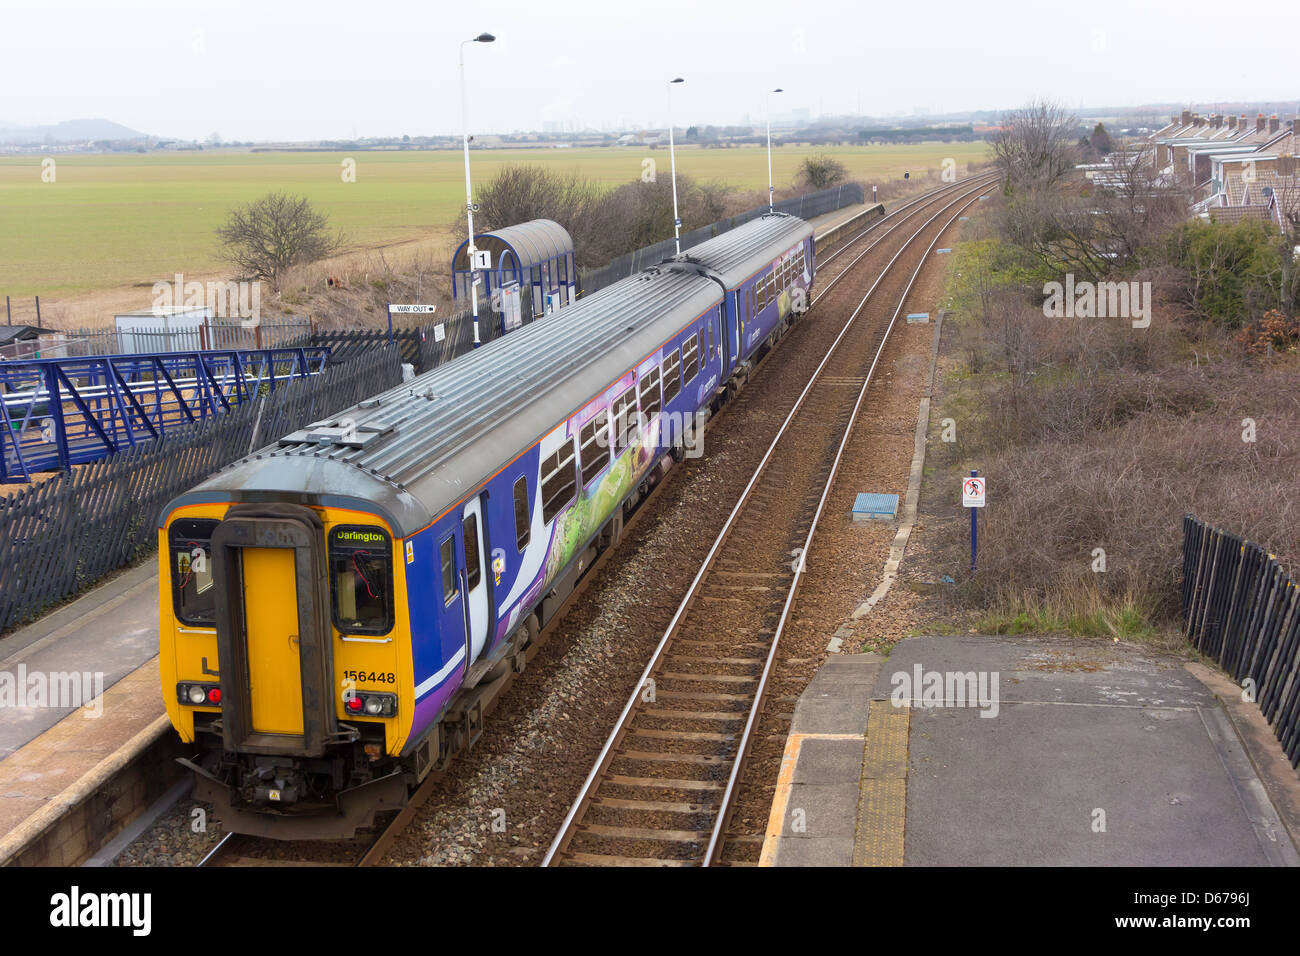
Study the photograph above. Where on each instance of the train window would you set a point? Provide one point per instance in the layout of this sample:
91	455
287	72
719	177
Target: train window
690	358
710	338
447	554
193	596
595	445
559	478
625	423
672	375
361	579
649	390
473	568
523	523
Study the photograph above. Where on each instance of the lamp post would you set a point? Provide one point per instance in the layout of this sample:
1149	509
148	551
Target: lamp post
469	196
672	159
767	115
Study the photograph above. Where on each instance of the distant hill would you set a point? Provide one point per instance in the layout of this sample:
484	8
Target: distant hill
69	131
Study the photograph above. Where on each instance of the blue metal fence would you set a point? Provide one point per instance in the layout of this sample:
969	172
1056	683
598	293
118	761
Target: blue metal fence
56	413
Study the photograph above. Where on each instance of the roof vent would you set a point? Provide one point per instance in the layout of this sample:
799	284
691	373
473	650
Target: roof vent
343	432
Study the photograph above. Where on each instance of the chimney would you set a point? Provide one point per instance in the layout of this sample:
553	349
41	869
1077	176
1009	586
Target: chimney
1259	123
1197	120
1274	124
1232	122
1174	120
1218	121
1187	118
1295	126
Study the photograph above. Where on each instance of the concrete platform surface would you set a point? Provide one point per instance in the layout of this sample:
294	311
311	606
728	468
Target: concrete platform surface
1026	751
75	687
102	637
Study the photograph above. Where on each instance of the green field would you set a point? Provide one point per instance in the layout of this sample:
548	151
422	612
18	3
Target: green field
114	221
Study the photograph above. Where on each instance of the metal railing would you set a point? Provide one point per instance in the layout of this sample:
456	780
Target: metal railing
57	413
61	535
1242	609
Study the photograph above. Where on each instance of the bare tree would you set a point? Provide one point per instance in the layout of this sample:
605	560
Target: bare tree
1134	206
820	172
1035	146
267	236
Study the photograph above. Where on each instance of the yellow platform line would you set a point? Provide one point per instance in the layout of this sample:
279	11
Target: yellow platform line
882	800
784	781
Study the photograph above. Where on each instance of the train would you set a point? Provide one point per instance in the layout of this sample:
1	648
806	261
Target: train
336	608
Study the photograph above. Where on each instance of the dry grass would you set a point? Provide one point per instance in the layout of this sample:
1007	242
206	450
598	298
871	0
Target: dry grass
1096	438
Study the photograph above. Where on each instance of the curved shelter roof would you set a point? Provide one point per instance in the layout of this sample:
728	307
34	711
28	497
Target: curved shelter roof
534	242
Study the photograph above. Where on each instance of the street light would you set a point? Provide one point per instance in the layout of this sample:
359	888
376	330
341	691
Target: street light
672	159
771	192
469	197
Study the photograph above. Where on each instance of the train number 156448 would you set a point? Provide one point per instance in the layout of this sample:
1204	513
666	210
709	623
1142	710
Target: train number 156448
373	677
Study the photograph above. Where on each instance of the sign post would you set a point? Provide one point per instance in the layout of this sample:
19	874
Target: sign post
972	497
406	310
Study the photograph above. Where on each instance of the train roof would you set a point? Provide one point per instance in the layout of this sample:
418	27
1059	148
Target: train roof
737	254
425	444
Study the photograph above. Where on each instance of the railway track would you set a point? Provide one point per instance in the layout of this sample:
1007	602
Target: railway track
241	850
663	787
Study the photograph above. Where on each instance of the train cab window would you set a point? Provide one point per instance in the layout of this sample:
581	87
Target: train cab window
690	358
473	567
672	375
559	479
191	563
595	445
361	579
649	391
447	555
626	425
523	523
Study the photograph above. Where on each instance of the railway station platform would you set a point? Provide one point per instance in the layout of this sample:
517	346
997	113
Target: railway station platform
80	705
1029	750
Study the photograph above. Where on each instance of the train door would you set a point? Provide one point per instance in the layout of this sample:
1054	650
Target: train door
273	629
716	338
474	577
272	633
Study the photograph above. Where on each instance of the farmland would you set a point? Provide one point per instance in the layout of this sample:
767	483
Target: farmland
113	221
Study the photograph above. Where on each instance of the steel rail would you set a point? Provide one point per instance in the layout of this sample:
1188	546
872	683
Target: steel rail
724	808
620	727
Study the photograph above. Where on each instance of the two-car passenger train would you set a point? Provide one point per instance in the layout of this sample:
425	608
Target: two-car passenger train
333	605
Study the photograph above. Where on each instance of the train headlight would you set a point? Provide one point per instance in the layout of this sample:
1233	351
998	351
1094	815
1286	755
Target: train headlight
370	704
199	695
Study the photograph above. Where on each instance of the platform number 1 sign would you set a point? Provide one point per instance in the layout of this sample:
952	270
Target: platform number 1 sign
972	497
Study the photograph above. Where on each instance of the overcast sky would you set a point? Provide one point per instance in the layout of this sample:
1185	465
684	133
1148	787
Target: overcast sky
287	69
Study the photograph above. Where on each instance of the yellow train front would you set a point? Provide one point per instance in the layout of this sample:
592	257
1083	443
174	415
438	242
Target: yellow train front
297	602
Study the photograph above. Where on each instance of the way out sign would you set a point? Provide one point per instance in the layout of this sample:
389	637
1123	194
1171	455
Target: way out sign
972	492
